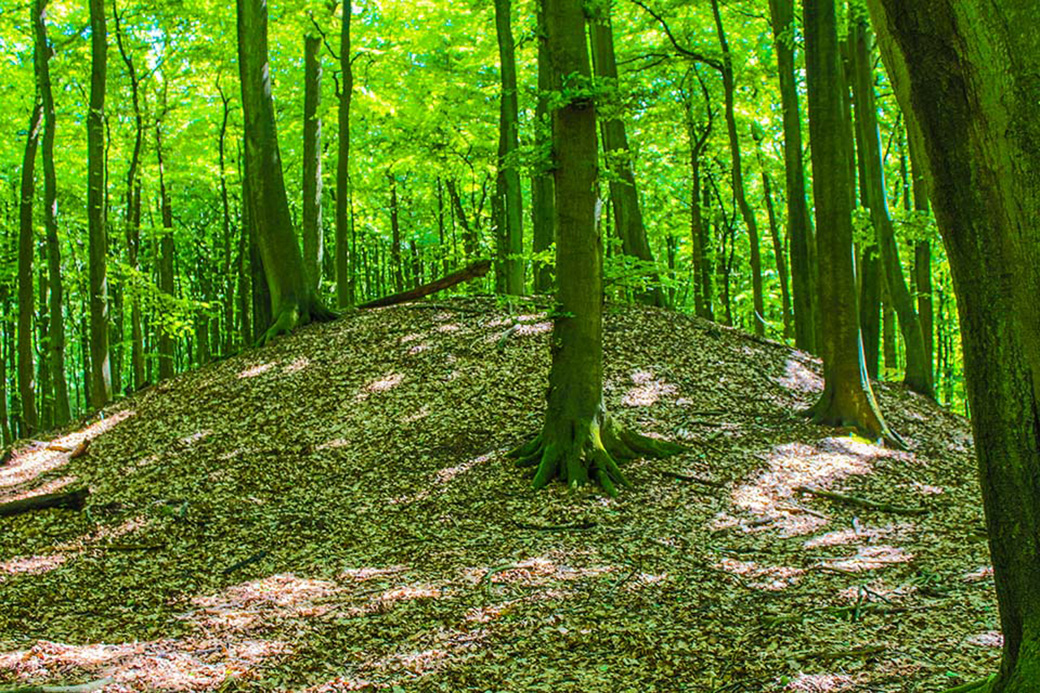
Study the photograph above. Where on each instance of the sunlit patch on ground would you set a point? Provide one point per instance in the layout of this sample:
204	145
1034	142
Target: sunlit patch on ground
821	683
417	415
450	327
31	565
770	578
530	329
52	486
296	365
384	384
979	574
869	558
799	378
29	463
647	390
369	573
860	533
991	638
256	370
196	437
446	475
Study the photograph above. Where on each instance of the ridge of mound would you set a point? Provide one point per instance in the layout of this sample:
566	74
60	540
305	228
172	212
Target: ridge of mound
335	512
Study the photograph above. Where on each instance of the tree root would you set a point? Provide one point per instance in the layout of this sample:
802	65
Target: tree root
590	454
295	314
975	686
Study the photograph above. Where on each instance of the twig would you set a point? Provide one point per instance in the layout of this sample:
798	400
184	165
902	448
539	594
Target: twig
860	502
585	524
689	477
245	562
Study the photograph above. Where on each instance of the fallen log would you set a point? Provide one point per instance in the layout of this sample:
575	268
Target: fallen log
473	271
860	502
73	500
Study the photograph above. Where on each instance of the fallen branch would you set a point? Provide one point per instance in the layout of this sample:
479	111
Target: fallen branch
73	500
860	502
690	477
587	524
81	688
256	557
473	271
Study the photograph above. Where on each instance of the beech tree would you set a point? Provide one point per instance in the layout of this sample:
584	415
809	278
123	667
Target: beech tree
101	374
579	441
508	202
969	73
293	301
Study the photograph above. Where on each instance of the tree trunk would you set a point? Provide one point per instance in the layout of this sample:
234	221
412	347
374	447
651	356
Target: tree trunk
624	196
228	298
166	250
26	249
395	235
101	376
918	373
699	227
847	399
778	244
922	258
579	442
799	221
345	264
973	84
542	191
729	89
509	269
292	301
313	249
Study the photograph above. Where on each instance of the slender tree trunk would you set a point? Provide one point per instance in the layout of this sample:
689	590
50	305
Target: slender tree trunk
166	250
624	196
542	191
228	288
778	244
799	221
101	376
699	231
395	232
345	264
729	89
508	200
972	69
847	399
313	249
292	301
922	258
26	250
918	373
469	234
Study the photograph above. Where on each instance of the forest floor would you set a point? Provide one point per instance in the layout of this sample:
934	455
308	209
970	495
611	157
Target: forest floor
335	511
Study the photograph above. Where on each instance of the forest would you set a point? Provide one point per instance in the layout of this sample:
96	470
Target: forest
539	345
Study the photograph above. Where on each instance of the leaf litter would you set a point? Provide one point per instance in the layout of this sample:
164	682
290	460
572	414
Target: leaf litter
335	511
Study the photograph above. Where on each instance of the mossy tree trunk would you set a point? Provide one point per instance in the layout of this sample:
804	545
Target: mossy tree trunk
101	374
293	302
847	399
579	441
508	200
624	196
799	221
973	82
918	375
26	249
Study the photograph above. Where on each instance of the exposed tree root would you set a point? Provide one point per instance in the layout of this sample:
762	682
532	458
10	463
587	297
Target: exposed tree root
587	450
293	314
975	686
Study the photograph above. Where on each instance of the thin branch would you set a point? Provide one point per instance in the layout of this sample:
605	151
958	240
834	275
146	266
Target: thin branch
693	55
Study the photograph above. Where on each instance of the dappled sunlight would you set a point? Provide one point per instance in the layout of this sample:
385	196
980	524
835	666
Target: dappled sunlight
386	383
256	370
449	473
646	390
195	437
979	574
296	365
771	498
798	377
868	558
450	327
991	638
536	571
31	565
104	534
821	683
899	531
770	578
531	329
39	458
52	486
418	415
368	573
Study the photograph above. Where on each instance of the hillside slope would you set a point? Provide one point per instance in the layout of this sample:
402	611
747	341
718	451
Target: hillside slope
335	512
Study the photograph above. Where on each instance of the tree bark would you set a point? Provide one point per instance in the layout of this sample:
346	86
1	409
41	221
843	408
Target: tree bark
847	399
918	375
313	249
778	244
973	81
26	250
346	265
699	227
293	303
101	376
166	250
509	270
799	221
473	271
624	195
746	213
542	191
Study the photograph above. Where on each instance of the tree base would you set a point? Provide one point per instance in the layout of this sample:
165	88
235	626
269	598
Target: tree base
579	451
293	314
856	413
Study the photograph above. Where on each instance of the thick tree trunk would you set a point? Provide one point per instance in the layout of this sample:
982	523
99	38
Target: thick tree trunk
624	196
973	83
746	213
166	250
101	376
345	263
847	399
542	191
509	269
55	354
799	221
26	250
292	301
579	442
918	373
313	249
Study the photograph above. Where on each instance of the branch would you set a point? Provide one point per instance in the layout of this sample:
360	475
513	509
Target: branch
860	502
477	269
693	55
